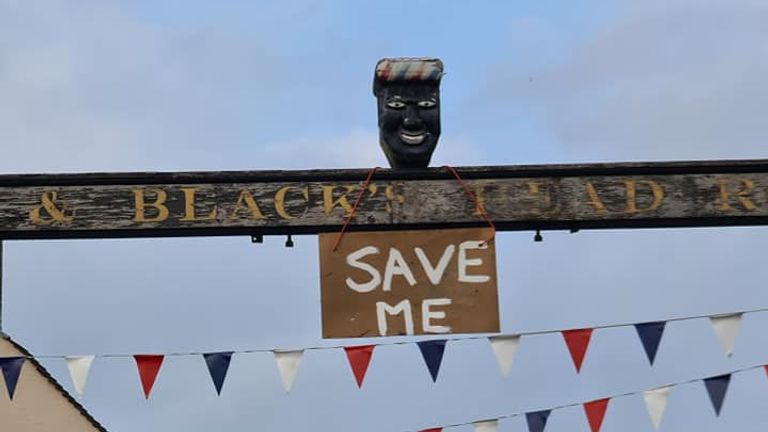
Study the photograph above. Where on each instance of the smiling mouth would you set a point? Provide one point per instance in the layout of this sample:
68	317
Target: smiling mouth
413	138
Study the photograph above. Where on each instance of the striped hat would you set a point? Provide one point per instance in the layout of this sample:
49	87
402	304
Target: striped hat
406	69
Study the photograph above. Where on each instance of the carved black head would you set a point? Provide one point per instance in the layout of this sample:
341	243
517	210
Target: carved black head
408	94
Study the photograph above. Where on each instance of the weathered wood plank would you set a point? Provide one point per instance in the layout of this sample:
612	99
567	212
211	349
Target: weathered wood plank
526	197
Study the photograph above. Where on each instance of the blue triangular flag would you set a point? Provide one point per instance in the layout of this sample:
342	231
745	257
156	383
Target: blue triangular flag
218	364
717	387
432	351
11	367
537	420
650	335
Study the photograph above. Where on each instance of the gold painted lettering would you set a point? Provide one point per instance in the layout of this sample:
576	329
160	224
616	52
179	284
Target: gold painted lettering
748	186
280	201
392	197
541	193
189	206
329	203
245	200
594	199
141	205
52	212
479	200
631	187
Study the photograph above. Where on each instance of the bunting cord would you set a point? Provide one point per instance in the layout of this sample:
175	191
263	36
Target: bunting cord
615	396
410	342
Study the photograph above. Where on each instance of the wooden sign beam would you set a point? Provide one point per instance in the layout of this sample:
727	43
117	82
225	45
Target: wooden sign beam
615	195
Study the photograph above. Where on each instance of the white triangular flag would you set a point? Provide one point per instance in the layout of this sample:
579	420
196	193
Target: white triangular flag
726	327
504	348
288	365
655	403
79	366
486	426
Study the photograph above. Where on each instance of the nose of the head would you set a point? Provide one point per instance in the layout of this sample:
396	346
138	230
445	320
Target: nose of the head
412	119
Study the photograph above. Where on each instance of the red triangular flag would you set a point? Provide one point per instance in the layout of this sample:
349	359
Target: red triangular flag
149	366
766	369
577	341
359	358
596	413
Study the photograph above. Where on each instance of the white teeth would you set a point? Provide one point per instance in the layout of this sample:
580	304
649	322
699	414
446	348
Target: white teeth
413	139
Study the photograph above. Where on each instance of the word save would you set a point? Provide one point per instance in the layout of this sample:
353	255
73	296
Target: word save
434	268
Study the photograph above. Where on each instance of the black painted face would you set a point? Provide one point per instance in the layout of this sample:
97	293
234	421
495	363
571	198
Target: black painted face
409	122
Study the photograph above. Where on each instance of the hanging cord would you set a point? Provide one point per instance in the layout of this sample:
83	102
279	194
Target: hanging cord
354	207
452	170
456	338
478	204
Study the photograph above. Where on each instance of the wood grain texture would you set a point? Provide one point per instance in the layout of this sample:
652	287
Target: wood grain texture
461	304
666	194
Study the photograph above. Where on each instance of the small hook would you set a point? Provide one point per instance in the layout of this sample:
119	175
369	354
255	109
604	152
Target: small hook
289	241
538	237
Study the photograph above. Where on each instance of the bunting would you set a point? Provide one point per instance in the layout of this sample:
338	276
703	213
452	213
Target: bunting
432	351
149	366
595	411
288	364
717	387
504	349
359	358
11	367
726	327
656	403
486	426
650	335
578	342
218	365
79	367
537	420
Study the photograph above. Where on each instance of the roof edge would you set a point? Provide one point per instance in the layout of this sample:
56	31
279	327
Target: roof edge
53	381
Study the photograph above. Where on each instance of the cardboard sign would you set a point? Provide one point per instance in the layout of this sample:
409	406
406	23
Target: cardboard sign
409	282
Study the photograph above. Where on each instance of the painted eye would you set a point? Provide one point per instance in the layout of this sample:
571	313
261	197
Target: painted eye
395	104
426	104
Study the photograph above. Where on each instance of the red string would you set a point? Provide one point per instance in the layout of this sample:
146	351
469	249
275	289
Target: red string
469	193
354	207
367	182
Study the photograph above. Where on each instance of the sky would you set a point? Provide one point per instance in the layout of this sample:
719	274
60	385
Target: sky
95	86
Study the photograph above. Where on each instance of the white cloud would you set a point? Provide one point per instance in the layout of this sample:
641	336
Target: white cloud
49	119
89	87
680	81
359	148
92	87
